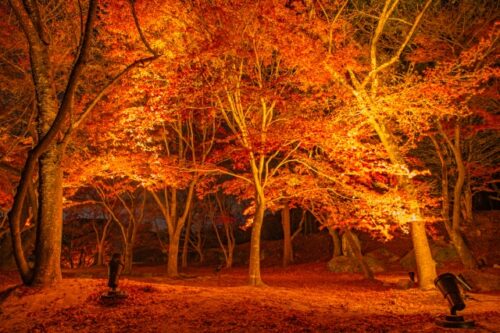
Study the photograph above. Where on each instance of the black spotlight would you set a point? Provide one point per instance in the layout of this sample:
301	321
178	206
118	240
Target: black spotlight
447	285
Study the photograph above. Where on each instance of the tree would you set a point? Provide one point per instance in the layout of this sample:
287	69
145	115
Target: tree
189	150
52	117
128	214
448	96
227	222
366	92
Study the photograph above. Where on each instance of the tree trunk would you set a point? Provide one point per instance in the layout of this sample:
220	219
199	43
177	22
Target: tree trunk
229	259
185	246
49	229
466	257
463	250
100	254
230	245
287	238
337	244
367	272
467	203
173	255
254	263
426	266
465	254
128	258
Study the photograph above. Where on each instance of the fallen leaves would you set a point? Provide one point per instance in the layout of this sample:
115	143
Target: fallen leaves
312	301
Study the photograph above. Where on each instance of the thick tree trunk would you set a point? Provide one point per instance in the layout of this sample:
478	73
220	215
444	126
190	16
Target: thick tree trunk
173	255
337	244
49	229
254	264
426	266
465	254
287	237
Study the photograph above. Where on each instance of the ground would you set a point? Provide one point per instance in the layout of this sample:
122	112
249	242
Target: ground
300	298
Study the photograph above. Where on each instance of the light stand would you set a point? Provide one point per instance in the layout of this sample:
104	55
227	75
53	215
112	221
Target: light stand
447	285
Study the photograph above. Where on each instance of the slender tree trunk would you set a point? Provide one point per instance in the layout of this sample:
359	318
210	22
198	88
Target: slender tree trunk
219	239
49	229
254	264
185	246
287	237
467	203
230	245
455	235
100	254
128	257
81	259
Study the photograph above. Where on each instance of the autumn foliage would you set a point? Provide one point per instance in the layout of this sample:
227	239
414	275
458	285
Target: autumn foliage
372	116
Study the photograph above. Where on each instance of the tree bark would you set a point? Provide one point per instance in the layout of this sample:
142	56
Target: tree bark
456	236
254	263
174	223
426	266
230	245
128	258
287	237
100	255
49	229
185	246
337	244
367	272
173	255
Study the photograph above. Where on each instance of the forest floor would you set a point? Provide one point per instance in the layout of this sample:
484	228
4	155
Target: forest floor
300	298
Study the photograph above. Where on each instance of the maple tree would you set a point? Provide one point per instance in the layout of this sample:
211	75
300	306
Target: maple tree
367	89
48	53
322	106
443	97
257	64
131	202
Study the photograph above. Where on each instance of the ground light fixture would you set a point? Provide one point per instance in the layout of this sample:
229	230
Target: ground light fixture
448	285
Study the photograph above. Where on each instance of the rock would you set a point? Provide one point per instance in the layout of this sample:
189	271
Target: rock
444	254
482	281
377	266
440	253
404	284
383	254
345	264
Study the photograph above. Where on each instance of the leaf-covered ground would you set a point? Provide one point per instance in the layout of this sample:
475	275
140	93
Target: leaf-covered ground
302	298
